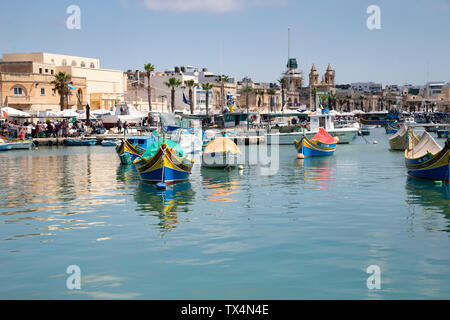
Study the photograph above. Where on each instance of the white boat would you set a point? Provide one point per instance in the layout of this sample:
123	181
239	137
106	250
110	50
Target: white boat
317	120
17	144
124	112
189	140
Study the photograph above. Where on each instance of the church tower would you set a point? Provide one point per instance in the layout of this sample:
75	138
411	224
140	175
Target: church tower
313	76
329	76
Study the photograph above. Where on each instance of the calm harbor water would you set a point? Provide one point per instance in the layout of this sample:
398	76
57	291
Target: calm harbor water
308	232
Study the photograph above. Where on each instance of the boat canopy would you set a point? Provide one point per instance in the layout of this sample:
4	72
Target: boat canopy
154	147
323	136
222	145
426	144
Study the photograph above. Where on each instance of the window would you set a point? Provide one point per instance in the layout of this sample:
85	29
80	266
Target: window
51	71
42	92
83	65
46	70
18	91
92	65
74	63
40	70
53	92
64	63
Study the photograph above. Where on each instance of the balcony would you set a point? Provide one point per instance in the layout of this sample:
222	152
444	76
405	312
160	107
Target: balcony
19	100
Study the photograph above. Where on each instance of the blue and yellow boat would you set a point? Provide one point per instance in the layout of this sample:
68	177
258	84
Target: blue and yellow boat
322	144
392	127
133	147
164	161
428	160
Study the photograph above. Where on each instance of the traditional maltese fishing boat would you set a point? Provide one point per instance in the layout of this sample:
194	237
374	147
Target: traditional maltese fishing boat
164	161
133	147
399	141
392	127
5	146
221	153
322	144
427	159
17	143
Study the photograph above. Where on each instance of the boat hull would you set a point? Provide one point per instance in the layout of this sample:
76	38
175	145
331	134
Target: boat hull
226	160
80	142
430	166
311	148
5	146
17	144
164	166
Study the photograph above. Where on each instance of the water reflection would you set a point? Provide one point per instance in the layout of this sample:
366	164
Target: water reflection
220	184
127	174
430	197
316	171
167	204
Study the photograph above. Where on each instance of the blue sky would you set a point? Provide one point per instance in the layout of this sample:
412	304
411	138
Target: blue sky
243	37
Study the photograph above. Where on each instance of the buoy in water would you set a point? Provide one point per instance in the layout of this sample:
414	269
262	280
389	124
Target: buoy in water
300	156
161	186
375	142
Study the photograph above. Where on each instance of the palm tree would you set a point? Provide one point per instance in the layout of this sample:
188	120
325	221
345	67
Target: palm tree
222	79
347	102
331	100
282	82
260	93
207	86
149	68
191	84
271	94
314	92
173	83
323	99
341	102
361	98
61	85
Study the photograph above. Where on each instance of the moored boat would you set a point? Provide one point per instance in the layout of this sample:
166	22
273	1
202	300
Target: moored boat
81	142
17	143
132	147
316	121
221	153
109	143
442	133
164	161
322	144
427	159
391	127
399	141
5	146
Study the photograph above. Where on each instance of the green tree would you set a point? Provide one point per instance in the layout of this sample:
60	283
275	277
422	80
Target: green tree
271	93
173	83
207	86
222	79
149	68
191	84
61	85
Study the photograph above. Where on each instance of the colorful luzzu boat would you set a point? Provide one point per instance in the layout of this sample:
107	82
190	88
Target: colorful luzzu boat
17	143
133	147
392	127
428	160
164	161
322	144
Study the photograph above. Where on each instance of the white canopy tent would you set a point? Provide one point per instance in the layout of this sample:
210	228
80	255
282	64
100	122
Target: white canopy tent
11	112
68	113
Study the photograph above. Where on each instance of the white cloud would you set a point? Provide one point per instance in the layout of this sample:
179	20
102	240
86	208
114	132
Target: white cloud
217	6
